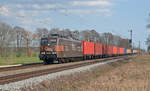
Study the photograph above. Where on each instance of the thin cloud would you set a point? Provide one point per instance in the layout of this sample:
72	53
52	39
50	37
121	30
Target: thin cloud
19	6
30	21
36	6
45	6
106	12
49	6
21	13
92	3
4	11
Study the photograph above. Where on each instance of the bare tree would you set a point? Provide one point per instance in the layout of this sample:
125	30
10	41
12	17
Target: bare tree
42	32
94	36
85	35
75	34
6	38
27	38
108	38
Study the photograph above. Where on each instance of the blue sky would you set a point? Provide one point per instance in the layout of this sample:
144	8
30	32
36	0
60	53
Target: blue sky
116	16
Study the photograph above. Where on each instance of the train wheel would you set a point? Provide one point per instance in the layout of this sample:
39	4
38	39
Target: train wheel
48	61
59	61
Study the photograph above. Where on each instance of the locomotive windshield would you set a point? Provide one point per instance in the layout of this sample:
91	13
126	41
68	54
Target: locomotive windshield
44	42
53	41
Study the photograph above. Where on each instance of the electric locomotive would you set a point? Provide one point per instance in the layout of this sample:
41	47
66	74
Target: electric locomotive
56	49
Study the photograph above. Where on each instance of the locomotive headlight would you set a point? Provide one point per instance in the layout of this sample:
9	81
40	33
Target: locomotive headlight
42	52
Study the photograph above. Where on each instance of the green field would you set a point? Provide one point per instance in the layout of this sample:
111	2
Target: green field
18	60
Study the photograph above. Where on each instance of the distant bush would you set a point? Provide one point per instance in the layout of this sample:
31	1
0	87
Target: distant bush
18	54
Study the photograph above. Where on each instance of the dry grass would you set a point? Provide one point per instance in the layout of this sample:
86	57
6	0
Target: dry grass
120	76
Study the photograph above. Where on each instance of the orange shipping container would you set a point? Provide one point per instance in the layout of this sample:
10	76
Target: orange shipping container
115	51
121	50
128	51
88	48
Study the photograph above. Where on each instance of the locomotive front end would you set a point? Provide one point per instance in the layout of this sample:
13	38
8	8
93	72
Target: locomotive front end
47	50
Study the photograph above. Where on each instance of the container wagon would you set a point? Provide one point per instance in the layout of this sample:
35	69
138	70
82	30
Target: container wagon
88	49
98	50
115	50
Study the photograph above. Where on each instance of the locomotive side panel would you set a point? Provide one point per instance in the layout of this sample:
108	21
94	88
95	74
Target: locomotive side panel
69	48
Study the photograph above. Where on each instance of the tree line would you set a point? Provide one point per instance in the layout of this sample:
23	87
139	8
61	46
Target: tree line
17	41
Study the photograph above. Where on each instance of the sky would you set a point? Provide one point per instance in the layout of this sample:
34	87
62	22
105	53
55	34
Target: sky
115	16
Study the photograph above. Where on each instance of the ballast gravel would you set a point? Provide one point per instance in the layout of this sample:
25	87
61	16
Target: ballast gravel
15	86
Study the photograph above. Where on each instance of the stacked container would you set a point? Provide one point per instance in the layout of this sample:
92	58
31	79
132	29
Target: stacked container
135	51
125	50
115	50
129	51
88	48
121	51
118	50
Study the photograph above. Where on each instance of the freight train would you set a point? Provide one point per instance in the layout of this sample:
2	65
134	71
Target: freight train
55	49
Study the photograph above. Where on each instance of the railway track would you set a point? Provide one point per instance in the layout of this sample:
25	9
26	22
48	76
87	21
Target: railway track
20	67
22	76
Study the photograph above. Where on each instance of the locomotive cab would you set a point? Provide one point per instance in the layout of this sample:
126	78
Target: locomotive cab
47	50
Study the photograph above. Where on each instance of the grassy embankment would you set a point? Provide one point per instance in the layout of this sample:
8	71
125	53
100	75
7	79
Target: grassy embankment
133	75
18	60
23	59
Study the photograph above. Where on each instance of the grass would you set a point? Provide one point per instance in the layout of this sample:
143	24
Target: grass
18	60
133	75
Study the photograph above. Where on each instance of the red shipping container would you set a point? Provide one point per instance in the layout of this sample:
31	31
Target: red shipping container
115	50
88	48
110	50
98	49
118	50
121	50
